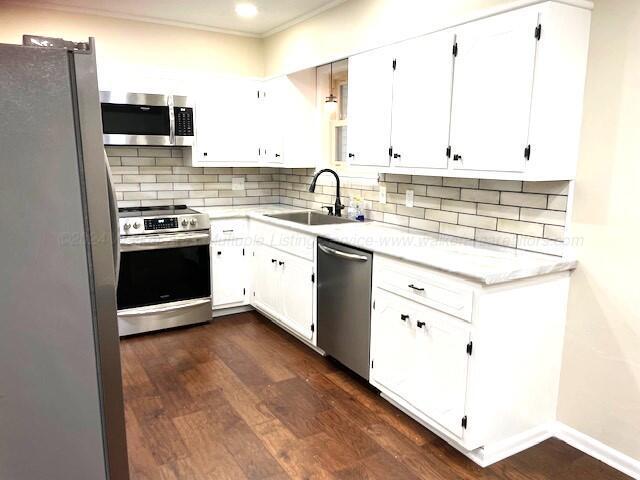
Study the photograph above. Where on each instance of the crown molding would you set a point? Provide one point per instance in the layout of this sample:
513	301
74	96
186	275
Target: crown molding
172	23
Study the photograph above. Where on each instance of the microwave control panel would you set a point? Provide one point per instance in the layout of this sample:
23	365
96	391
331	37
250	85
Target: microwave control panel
184	121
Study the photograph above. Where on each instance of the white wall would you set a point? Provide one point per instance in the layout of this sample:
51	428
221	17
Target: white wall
600	383
126	48
359	25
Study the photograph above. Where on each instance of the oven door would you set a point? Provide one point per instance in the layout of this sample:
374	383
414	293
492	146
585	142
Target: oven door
163	268
136	119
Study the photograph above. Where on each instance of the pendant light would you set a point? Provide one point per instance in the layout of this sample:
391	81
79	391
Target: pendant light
331	102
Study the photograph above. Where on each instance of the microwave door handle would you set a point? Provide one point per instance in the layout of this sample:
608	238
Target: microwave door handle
113	213
172	121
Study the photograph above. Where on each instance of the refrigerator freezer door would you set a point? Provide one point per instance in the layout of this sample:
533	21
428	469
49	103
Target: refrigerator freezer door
60	381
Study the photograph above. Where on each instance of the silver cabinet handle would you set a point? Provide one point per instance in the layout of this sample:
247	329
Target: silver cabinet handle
227	231
341	254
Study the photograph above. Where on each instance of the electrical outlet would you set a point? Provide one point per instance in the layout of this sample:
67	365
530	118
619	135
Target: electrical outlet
383	194
408	198
368	205
237	183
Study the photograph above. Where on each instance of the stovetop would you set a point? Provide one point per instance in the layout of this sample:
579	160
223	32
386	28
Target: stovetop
130	212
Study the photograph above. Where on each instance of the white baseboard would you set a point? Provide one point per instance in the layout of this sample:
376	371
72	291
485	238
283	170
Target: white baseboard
597	449
493	453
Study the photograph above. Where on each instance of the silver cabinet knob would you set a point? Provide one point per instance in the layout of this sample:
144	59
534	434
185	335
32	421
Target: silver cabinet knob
185	222
193	222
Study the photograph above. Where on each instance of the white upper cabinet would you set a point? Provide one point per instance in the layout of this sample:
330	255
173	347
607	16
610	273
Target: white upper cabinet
492	92
289	133
370	90
422	101
507	100
226	122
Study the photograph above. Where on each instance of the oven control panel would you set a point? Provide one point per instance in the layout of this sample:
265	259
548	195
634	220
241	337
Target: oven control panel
173	224
160	223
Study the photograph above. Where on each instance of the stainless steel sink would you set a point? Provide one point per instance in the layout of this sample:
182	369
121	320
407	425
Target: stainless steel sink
310	218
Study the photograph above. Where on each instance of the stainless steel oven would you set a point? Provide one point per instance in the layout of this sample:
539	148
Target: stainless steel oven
164	278
147	119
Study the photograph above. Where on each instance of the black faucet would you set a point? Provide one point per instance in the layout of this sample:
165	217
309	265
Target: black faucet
312	188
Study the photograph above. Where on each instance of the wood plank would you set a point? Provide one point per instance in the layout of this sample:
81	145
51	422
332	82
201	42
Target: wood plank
240	398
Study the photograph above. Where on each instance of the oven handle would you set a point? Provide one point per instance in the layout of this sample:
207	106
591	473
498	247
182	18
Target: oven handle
164	307
163	241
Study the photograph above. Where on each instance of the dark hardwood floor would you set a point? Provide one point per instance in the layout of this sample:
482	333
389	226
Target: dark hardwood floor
241	399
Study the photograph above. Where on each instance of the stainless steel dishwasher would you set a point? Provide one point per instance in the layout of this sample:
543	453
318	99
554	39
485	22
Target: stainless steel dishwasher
344	304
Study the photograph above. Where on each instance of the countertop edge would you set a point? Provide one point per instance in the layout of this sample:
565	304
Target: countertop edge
562	265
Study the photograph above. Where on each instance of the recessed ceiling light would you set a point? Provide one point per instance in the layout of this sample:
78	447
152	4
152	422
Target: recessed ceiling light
246	9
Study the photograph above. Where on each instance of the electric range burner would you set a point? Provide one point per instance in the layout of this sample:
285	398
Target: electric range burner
155	211
160	219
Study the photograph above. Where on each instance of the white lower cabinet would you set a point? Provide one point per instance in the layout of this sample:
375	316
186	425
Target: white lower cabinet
477	364
283	287
420	354
229	274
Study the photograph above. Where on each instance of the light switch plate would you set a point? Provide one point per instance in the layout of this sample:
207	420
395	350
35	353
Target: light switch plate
383	194
408	198
237	183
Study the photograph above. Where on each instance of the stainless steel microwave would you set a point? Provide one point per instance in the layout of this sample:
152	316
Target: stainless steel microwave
147	119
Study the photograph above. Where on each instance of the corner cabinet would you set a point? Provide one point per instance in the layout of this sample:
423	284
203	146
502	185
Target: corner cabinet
499	97
478	365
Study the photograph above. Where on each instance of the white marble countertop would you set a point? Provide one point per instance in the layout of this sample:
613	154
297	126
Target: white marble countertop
476	261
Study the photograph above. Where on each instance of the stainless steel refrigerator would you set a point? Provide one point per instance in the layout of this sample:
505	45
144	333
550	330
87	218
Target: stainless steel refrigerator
61	403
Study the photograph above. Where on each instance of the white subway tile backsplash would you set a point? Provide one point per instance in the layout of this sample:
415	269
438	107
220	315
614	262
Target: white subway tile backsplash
457	230
484	196
428	225
486	223
550	217
521	228
555	188
444	192
496	238
523	199
501	185
396	219
458	206
498	211
557	202
441	216
460	182
529	216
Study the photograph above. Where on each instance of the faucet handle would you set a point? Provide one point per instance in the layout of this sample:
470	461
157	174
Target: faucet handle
329	210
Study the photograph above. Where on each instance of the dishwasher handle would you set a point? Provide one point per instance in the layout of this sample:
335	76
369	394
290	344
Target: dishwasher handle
341	254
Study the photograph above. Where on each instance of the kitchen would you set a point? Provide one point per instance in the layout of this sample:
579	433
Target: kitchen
212	307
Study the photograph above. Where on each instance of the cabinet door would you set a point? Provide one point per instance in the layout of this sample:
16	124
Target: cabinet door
296	287
226	122
492	91
370	90
267	280
441	361
229	275
393	344
274	108
422	101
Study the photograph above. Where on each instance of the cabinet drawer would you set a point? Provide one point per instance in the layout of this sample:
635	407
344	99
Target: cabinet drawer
229	229
425	287
284	239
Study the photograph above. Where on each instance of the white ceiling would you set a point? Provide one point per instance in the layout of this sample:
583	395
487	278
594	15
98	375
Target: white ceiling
216	15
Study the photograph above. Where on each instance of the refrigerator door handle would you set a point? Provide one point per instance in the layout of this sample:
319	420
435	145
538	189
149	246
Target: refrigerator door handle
113	213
